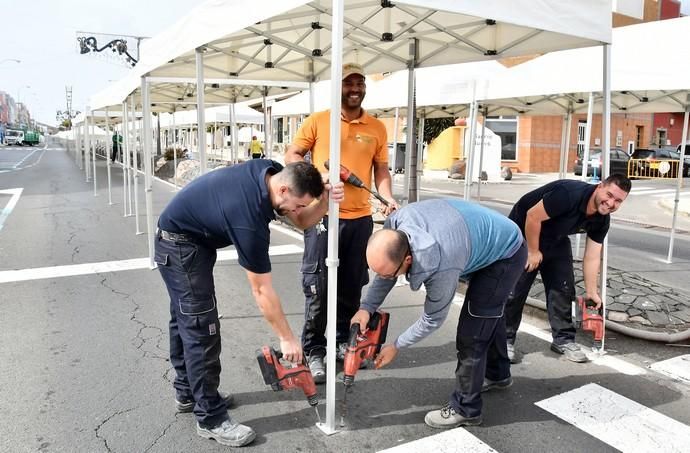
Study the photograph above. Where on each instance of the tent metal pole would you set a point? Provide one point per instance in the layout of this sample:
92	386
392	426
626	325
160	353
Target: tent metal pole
200	112
676	199
148	175
410	181
563	168
585	159
107	158
469	152
606	168
135	166
92	144
87	149
174	148
234	146
264	105
395	141
125	159
485	112
333	213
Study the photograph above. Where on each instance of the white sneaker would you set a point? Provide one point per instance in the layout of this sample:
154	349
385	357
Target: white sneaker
228	433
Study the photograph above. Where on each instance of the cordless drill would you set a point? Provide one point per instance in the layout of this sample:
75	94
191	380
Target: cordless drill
281	377
588	318
361	347
348	177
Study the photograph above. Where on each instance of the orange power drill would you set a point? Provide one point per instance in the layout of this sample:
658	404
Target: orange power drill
292	376
588	318
348	177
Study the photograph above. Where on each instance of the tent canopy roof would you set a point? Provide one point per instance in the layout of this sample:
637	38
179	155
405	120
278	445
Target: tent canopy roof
290	40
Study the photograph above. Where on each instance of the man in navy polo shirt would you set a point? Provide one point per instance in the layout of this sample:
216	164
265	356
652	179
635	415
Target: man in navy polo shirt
546	217
229	206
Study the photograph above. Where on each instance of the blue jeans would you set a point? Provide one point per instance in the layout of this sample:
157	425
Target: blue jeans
187	270
481	340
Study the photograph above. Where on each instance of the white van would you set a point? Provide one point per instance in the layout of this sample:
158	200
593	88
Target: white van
14	137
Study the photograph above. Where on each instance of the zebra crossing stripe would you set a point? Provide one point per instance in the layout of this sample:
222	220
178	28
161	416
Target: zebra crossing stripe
456	440
618	421
116	266
677	368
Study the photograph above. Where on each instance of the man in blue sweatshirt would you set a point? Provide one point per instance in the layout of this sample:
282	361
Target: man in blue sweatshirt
434	243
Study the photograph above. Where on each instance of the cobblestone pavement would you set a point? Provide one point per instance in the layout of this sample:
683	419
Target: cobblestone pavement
636	302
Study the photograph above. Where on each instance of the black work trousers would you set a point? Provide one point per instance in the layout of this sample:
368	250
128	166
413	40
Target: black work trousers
481	340
556	271
353	274
187	270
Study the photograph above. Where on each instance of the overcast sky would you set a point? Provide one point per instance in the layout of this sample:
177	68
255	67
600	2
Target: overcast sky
42	34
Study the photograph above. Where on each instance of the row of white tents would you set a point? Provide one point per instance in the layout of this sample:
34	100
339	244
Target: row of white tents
215	55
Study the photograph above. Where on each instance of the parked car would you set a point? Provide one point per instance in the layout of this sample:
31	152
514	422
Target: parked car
619	162
648	162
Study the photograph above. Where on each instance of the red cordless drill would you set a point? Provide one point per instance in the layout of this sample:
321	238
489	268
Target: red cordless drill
588	318
361	347
281	377
348	177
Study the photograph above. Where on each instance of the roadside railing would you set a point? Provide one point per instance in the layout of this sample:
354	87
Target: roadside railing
653	168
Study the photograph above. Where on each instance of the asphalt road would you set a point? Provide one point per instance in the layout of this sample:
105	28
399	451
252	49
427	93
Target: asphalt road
86	369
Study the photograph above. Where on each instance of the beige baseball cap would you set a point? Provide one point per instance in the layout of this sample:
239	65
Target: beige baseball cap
352	68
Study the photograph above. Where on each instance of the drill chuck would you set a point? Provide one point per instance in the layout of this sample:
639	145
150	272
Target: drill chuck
313	400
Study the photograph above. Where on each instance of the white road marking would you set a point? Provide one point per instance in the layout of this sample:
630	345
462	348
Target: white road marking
7	210
25	157
287	231
116	266
605	360
677	368
456	440
618	421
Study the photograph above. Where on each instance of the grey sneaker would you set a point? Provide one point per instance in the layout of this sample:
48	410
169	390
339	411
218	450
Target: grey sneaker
498	385
228	433
513	355
317	368
185	406
340	350
571	351
446	417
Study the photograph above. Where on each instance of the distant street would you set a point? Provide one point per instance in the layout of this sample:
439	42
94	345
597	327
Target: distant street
83	328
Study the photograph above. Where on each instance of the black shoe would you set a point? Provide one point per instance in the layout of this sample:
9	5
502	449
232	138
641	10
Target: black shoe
185	406
498	385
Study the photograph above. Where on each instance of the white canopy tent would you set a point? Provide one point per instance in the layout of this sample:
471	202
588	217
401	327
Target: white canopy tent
646	88
276	43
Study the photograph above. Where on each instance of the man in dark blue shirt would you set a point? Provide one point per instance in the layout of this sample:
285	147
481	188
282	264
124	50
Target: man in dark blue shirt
229	206
546	217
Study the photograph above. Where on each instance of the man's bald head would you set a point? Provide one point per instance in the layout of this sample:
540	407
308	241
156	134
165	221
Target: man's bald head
386	251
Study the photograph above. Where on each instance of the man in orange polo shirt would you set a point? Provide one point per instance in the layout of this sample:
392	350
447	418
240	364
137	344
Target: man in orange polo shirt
363	150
